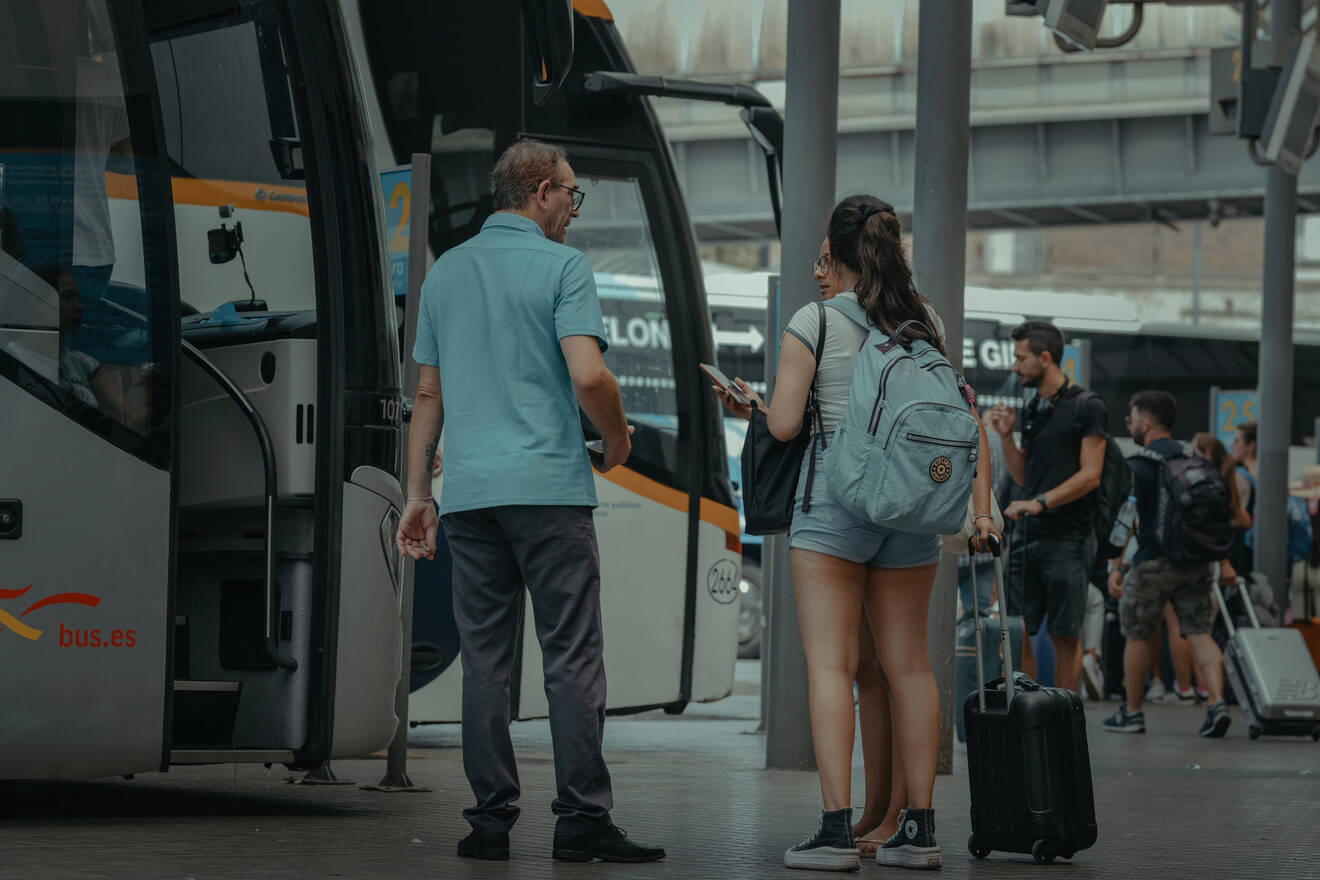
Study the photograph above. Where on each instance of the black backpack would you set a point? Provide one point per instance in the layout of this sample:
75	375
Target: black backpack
1194	522
1115	487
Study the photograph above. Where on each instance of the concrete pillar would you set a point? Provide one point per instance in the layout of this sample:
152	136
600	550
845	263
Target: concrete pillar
811	117
939	231
1275	373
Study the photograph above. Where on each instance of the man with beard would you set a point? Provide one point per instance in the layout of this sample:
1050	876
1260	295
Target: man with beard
509	344
1154	580
1059	466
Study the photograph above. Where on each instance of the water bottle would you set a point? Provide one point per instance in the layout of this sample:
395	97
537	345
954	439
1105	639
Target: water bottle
1127	515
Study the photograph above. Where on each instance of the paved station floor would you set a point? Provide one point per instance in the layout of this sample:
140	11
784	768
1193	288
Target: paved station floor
1170	805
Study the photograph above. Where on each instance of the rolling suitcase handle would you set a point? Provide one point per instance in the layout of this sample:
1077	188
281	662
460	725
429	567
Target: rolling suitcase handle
996	550
1245	595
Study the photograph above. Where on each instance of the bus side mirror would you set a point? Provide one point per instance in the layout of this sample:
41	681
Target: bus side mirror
287	153
550	36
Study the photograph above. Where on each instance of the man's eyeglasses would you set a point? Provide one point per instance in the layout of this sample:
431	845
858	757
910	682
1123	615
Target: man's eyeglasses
578	195
822	265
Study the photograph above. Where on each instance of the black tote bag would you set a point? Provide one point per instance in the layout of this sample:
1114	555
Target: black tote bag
770	466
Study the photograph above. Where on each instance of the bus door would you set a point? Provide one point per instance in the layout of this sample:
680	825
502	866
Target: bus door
669	638
287	603
88	385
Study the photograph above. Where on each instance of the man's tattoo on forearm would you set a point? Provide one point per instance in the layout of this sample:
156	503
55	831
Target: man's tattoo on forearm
430	452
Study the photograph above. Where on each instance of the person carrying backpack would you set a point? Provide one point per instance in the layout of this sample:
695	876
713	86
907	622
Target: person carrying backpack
1059	466
844	564
1184	514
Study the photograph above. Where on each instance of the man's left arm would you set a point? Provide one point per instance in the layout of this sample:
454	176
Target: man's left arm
1087	477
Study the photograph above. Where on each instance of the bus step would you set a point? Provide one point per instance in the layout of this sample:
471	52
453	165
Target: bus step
204	713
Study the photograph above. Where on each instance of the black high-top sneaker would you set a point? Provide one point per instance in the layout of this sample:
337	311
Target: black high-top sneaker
829	849
913	845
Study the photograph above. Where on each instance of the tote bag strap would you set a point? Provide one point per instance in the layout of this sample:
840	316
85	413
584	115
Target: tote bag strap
812	415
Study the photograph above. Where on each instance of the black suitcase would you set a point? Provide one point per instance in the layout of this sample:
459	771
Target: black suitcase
1028	766
1112	644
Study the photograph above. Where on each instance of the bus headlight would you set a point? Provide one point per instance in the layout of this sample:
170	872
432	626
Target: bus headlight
389	527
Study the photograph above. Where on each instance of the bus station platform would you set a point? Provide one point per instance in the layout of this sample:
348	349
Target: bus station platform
1169	803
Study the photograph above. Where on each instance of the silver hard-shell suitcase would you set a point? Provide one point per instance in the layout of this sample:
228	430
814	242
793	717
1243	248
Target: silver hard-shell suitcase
1273	675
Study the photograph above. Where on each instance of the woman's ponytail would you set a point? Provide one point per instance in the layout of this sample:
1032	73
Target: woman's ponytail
866	237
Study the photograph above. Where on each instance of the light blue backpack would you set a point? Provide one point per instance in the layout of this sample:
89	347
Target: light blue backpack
904	453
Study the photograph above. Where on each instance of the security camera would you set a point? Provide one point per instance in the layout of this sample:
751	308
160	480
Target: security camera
1295	110
1077	21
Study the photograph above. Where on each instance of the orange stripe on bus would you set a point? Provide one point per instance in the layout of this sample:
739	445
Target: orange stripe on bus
213	193
713	512
593	9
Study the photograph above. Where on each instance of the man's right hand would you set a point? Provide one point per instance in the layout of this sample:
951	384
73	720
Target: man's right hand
617	450
1116	584
1002	420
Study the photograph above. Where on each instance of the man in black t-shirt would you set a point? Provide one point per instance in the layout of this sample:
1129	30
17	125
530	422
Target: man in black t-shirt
1154	581
1059	466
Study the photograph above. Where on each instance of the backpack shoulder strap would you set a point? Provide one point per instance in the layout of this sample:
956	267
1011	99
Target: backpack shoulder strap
850	309
820	335
1251	481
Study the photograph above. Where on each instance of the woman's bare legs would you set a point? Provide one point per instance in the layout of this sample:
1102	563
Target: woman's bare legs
886	793
897	601
877	737
829	606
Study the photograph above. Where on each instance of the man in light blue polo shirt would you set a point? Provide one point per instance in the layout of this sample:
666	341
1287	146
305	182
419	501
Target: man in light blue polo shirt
510	327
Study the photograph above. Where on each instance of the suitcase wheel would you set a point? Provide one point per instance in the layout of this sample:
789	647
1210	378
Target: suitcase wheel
1253	731
976	849
1045	850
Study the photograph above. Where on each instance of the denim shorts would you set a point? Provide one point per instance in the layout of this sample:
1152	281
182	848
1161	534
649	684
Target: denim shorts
830	528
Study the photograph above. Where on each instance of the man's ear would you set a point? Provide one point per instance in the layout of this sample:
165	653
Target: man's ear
543	190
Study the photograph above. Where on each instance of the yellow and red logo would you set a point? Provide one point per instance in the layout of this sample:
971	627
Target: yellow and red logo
9	621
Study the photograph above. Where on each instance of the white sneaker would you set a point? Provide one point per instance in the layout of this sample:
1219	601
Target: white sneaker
1092	678
1157	692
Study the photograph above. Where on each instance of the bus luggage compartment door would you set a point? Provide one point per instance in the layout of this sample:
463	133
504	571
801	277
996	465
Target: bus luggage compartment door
83	600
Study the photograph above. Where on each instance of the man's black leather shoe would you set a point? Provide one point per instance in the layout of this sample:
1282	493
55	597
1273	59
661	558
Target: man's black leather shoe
609	844
493	845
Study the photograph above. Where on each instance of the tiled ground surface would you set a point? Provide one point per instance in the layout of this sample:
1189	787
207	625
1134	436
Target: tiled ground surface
1170	805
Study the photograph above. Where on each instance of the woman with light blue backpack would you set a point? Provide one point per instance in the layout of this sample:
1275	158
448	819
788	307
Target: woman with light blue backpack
844	565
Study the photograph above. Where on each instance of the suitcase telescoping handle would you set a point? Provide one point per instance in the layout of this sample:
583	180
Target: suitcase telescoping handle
1005	643
1245	595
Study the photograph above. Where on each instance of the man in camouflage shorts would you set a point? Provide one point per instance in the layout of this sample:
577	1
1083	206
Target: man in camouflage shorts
1152	584
1154	581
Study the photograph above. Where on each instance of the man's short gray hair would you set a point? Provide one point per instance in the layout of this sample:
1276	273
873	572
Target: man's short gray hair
520	171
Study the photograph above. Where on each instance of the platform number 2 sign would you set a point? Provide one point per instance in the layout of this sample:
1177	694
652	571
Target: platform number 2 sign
1233	408
396	186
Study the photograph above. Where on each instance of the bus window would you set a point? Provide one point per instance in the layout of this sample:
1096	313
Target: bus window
77	317
616	238
233	141
615	235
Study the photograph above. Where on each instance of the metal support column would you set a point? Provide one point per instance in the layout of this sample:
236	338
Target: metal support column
939	233
396	765
811	121
1275	373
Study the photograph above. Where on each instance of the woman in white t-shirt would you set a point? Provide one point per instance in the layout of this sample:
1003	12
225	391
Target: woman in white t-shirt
843	565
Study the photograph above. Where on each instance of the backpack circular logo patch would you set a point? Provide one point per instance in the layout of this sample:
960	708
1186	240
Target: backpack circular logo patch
941	469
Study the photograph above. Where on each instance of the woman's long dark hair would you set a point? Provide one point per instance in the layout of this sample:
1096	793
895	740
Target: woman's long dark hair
1212	448
865	237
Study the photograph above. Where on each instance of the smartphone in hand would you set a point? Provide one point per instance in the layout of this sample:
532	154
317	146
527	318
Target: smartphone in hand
725	382
596	452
